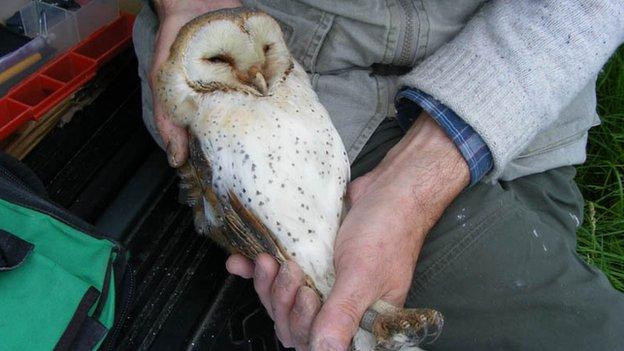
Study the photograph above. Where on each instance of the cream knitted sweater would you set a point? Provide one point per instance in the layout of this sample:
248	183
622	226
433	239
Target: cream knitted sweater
517	64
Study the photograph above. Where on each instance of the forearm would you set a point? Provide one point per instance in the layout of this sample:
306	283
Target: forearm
431	168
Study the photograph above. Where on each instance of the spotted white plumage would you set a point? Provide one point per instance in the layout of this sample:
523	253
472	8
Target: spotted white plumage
276	168
284	160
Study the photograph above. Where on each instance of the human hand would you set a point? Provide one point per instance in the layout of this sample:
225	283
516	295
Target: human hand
290	303
392	209
173	15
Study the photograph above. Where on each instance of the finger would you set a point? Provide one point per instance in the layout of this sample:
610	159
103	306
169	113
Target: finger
340	315
174	138
307	305
240	266
264	273
283	292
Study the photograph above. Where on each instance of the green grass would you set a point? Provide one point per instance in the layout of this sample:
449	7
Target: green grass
601	178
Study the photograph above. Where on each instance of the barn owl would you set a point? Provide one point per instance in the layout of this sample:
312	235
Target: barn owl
267	170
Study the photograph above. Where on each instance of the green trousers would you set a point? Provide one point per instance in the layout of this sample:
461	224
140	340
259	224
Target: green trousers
501	265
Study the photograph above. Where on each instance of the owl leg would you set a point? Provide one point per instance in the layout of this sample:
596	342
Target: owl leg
402	328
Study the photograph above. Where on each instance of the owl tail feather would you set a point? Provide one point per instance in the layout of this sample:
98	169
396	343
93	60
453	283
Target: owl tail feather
399	328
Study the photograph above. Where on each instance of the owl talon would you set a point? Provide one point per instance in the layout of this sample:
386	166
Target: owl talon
406	328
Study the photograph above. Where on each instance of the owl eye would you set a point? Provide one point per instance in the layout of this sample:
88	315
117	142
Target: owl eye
222	58
267	47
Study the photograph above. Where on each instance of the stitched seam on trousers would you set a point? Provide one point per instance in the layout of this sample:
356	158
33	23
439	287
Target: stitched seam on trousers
432	274
391	43
365	133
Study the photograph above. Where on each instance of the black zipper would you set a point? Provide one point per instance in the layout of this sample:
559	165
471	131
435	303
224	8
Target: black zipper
13	178
114	333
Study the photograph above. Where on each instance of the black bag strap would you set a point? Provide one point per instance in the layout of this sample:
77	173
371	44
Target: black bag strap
105	287
78	319
90	334
13	251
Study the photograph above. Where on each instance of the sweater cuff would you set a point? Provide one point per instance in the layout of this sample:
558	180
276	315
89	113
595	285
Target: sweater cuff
480	93
409	102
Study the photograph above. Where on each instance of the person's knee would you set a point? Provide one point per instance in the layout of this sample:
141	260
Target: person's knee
497	254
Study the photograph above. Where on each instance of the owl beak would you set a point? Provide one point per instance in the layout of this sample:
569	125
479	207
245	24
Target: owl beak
260	83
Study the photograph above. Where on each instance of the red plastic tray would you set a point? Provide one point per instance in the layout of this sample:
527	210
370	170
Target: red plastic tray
61	77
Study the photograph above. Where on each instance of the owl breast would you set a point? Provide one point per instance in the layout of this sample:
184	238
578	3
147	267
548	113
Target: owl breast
283	159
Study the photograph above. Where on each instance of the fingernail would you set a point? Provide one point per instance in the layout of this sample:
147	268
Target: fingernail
283	277
259	273
171	155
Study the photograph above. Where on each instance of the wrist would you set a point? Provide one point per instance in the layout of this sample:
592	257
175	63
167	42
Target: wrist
445	175
426	172
437	160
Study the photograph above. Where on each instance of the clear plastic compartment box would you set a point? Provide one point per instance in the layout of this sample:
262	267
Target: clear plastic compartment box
60	29
96	40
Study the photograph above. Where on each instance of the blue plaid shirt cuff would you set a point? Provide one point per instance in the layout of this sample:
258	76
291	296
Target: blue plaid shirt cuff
410	102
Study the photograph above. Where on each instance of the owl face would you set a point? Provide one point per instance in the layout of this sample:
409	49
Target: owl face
233	50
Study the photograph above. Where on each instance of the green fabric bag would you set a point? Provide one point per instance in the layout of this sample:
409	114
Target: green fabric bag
57	278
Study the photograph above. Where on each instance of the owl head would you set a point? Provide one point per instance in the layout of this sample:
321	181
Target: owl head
230	50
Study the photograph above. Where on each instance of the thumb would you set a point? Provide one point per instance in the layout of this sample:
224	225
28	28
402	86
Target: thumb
175	138
340	315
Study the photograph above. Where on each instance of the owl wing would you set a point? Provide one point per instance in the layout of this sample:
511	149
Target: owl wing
224	218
